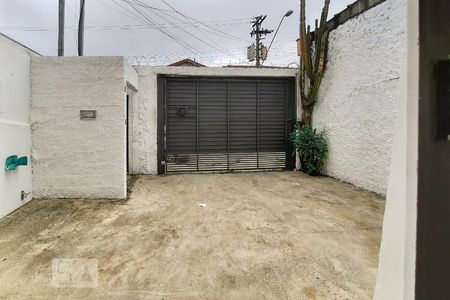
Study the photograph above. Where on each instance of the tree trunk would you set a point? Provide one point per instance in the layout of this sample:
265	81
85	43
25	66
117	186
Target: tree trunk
307	114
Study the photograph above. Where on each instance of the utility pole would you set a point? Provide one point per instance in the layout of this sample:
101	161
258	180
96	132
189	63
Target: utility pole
61	28
258	32
81	29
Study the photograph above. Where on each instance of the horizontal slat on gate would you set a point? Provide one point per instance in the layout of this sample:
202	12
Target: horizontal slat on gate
212	124
213	162
181	162
181	130
273	160
243	124
271	122
242	161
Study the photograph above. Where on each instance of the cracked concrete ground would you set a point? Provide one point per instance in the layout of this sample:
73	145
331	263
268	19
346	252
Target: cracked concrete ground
276	235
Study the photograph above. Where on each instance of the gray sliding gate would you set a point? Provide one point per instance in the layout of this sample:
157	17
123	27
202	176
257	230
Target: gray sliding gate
225	124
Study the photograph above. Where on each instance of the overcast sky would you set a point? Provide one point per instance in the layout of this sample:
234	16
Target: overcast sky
114	27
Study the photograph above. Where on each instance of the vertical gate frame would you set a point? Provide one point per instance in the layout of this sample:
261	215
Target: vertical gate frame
228	125
196	122
161	123
257	125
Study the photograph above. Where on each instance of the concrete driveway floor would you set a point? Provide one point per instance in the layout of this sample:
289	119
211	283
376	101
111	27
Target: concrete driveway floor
275	235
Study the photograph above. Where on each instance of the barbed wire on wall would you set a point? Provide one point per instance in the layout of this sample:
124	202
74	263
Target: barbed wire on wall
159	61
213	58
294	65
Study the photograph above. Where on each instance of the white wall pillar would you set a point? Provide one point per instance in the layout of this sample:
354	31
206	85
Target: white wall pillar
396	271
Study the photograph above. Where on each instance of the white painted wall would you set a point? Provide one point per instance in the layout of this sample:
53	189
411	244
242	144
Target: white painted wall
145	106
75	158
131	76
15	137
396	267
359	95
132	83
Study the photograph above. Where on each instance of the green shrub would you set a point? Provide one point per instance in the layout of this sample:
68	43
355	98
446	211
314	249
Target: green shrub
311	147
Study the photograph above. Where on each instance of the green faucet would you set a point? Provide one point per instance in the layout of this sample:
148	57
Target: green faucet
12	162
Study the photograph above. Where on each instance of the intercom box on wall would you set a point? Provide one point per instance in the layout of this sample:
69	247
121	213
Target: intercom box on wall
443	99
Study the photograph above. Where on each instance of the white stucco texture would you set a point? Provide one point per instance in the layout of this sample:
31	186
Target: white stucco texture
358	100
15	136
144	149
397	258
74	158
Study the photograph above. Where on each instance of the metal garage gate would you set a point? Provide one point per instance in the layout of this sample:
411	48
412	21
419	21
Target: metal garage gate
226	124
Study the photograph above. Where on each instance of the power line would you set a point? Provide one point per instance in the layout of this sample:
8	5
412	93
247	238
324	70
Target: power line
159	28
149	20
212	32
133	14
158	13
111	27
217	22
201	31
218	30
142	4
213	57
184	16
197	21
180	28
235	50
118	10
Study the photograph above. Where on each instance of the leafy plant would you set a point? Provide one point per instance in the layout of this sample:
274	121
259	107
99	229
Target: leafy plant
311	147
